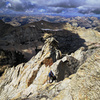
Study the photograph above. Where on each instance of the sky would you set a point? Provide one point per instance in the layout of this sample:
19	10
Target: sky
51	7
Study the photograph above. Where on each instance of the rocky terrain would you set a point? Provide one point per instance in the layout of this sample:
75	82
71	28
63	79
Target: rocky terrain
87	22
9	59
72	53
77	75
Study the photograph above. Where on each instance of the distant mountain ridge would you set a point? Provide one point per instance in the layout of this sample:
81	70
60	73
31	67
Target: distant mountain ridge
87	22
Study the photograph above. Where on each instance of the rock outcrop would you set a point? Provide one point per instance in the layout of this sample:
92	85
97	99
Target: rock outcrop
9	59
87	79
89	35
77	76
28	75
84	85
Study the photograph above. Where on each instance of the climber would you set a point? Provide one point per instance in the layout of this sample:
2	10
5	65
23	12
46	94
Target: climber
51	76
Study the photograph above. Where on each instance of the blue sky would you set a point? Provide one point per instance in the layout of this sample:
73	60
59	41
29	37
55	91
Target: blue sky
57	7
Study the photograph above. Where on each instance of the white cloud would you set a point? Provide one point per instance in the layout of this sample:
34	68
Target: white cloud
8	5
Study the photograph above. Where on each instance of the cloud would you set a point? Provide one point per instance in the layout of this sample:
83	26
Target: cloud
52	6
90	6
55	9
68	3
21	5
96	11
2	3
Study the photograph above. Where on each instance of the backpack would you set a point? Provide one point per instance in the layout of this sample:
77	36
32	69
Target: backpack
54	78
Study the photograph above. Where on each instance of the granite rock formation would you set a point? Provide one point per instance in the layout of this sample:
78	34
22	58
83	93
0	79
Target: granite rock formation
77	75
89	35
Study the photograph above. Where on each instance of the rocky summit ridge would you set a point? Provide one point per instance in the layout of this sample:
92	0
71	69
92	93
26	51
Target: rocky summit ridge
78	75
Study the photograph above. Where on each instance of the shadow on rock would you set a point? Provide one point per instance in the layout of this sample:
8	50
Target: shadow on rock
67	68
68	42
9	59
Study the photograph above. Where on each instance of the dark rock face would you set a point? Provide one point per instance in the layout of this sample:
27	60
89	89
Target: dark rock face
4	28
10	58
69	42
25	39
